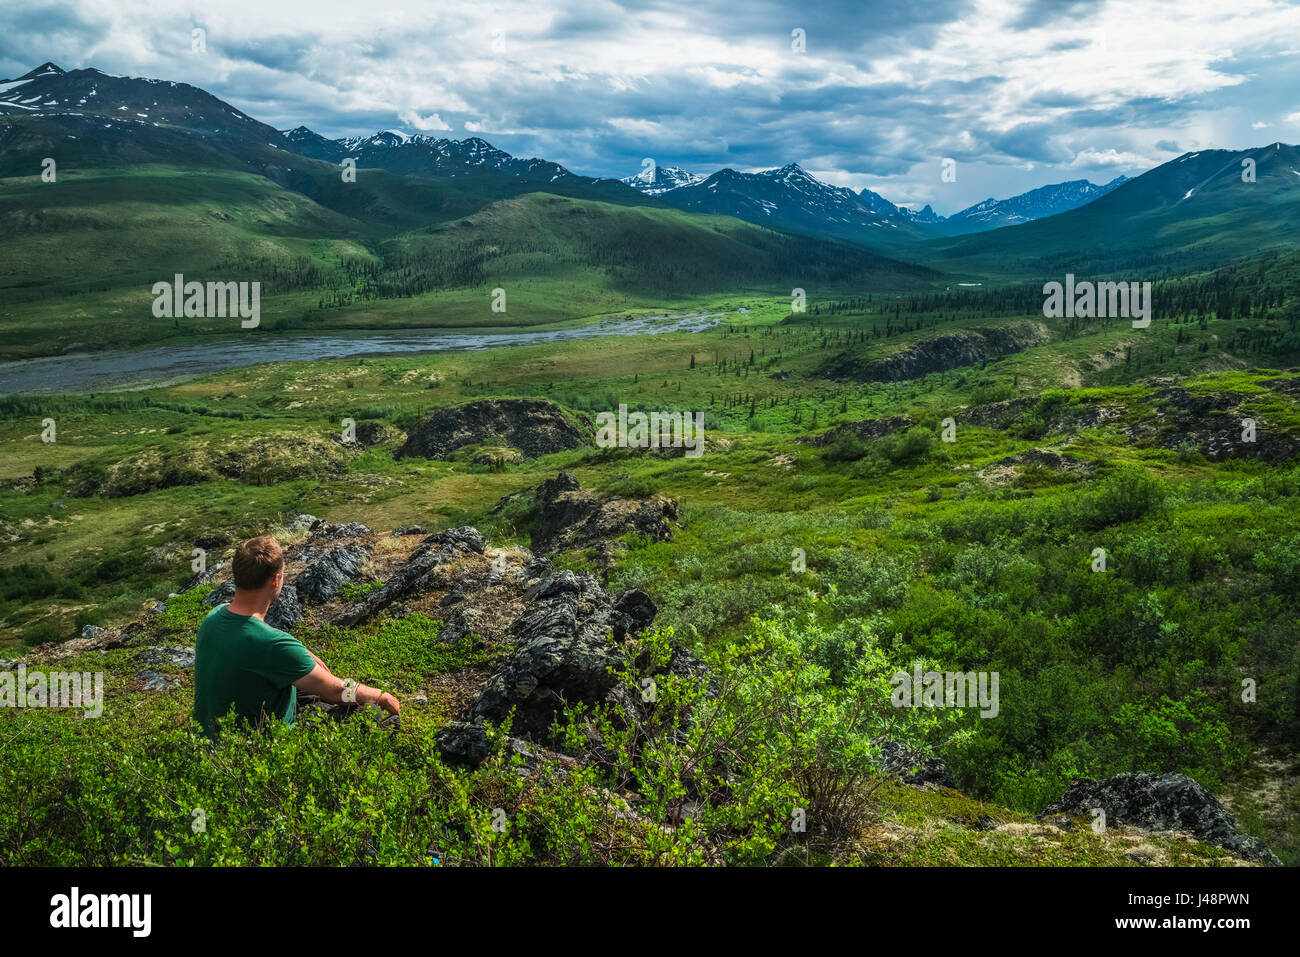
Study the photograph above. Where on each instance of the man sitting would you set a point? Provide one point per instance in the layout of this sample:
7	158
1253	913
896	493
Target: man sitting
242	661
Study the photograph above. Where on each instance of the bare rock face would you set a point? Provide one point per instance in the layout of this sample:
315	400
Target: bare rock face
569	517
1164	802
533	426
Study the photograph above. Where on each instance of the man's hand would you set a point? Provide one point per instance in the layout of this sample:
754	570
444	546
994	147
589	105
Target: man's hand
389	703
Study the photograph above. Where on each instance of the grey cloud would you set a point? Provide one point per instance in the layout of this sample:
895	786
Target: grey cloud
783	108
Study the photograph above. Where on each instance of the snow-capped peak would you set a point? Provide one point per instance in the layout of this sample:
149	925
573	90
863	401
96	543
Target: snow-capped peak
47	68
654	180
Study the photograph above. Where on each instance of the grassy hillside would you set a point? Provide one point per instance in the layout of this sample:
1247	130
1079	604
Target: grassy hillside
82	254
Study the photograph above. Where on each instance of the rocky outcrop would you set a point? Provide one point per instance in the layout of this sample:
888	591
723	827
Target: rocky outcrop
940	353
103	640
178	656
1164	802
417	573
325	575
533	426
1071	417
913	768
569	638
1057	416
867	430
1213	424
263	460
371	433
997	415
568	517
1007	468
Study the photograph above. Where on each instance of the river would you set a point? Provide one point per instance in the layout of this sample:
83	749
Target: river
174	362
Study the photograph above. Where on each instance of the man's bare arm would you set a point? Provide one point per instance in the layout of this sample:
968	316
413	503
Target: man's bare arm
322	683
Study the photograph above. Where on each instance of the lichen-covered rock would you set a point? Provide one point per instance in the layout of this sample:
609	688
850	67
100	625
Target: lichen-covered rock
913	768
209	574
301	522
1164	802
468	741
156	682
321	579
178	656
1214	424
420	567
325	532
568	517
569	637
533	426
939	353
868	430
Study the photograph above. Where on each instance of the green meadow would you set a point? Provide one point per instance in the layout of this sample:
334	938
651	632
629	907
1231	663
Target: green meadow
904	545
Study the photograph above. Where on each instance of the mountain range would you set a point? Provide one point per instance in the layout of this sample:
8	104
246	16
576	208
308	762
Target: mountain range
787	198
1196	209
791	195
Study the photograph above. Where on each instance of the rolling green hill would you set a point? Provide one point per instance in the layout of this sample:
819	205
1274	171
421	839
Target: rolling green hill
1192	212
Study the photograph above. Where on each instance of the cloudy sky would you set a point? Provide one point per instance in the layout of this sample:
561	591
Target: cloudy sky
1019	93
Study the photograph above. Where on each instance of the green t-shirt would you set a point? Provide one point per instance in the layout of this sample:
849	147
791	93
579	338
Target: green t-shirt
241	660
